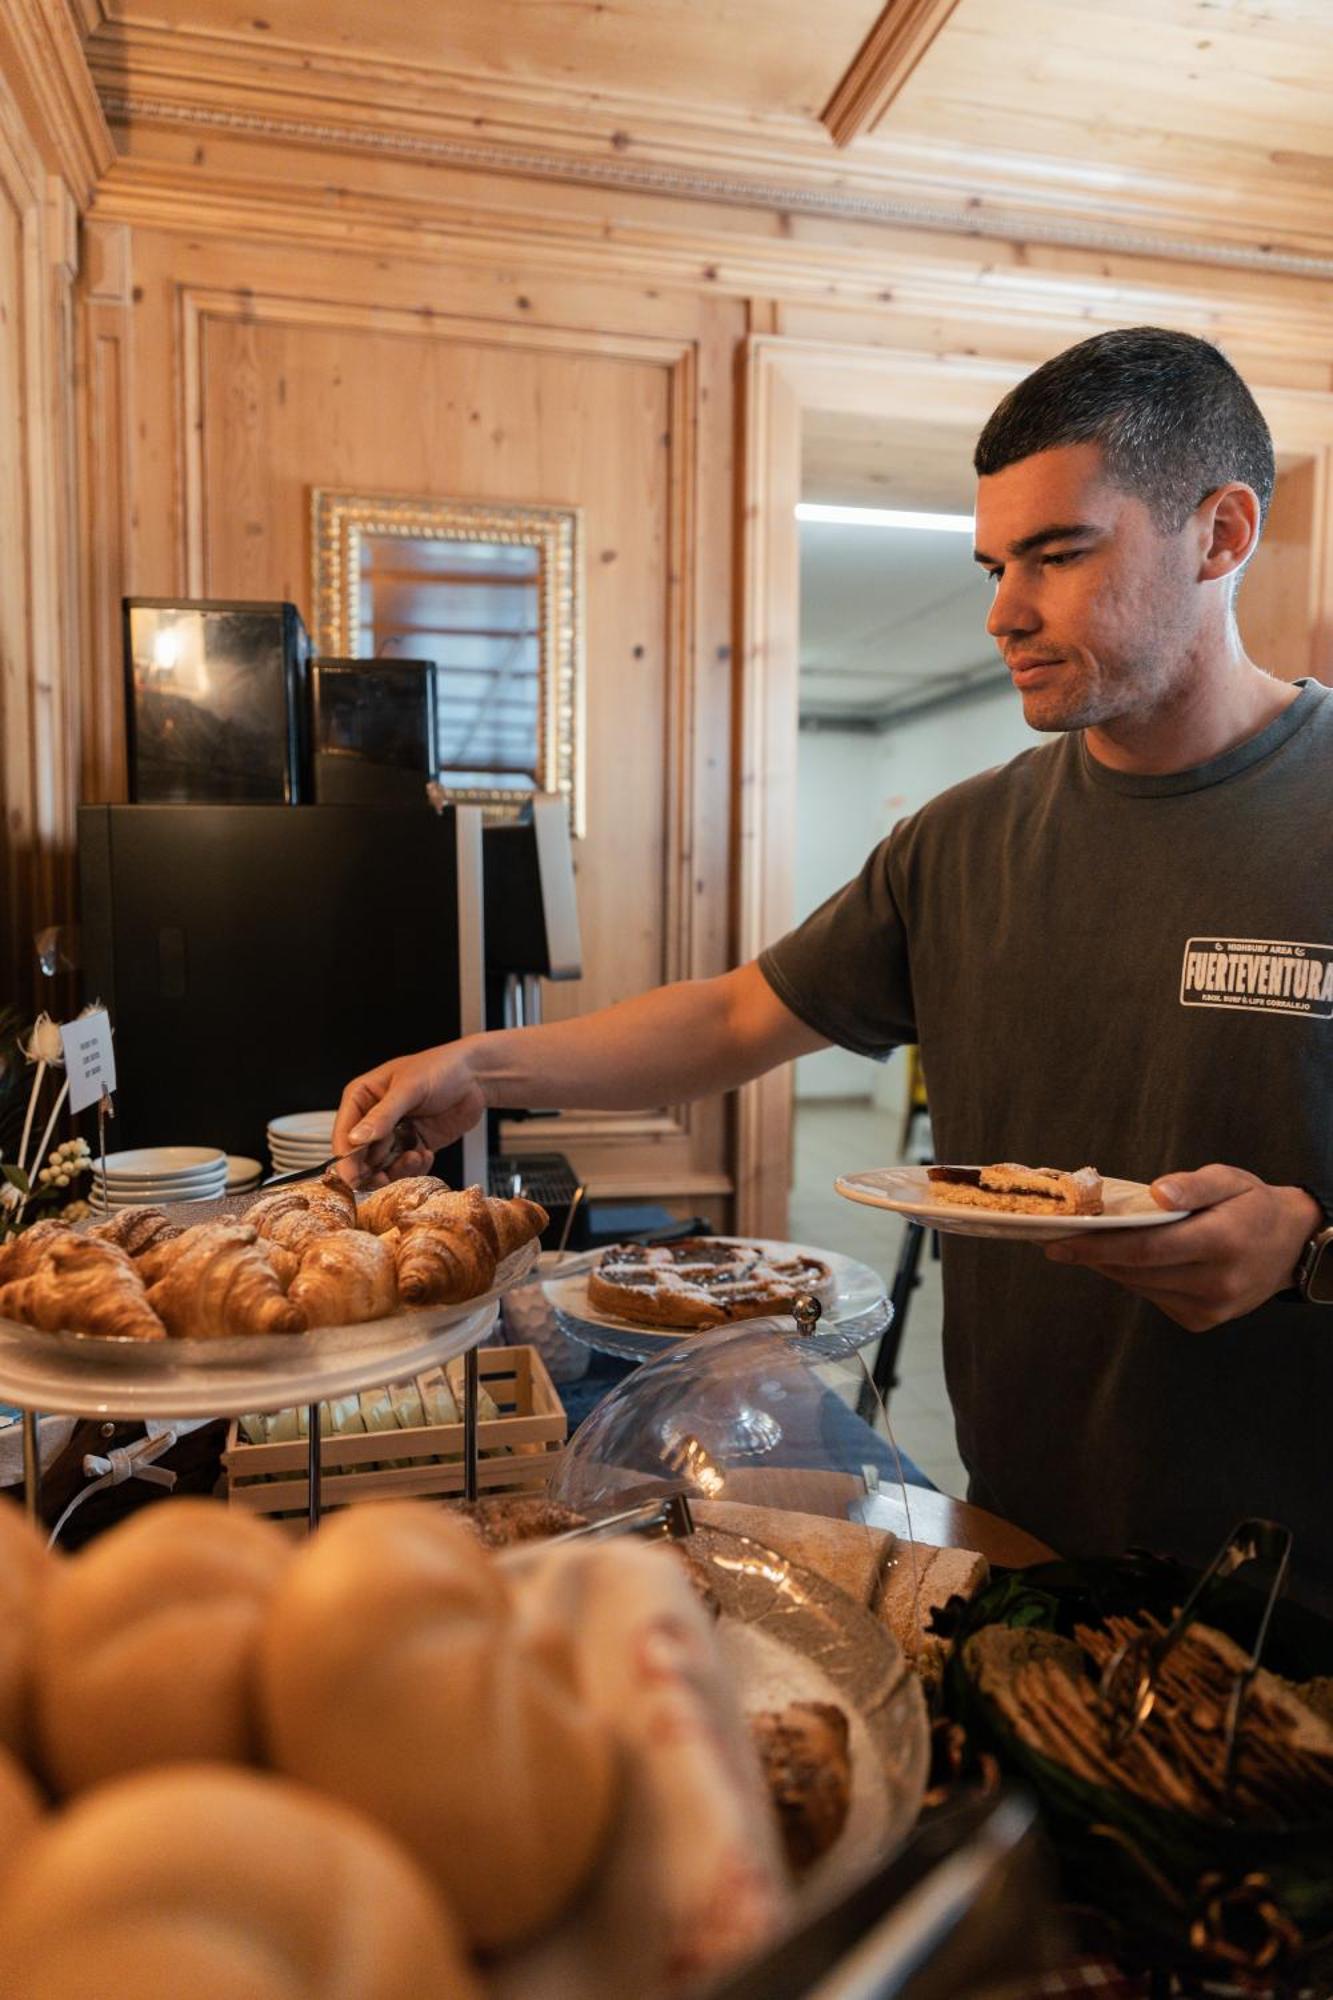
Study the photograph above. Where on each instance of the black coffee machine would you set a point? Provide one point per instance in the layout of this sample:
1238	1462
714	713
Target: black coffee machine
255	959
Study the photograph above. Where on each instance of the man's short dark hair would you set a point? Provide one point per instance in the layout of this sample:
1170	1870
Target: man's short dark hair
1172	416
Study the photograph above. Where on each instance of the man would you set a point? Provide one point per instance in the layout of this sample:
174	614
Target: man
1117	949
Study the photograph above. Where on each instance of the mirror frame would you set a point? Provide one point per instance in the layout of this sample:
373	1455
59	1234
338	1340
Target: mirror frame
340	519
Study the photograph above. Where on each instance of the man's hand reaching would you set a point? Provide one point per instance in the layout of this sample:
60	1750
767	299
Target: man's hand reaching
427	1100
1239	1246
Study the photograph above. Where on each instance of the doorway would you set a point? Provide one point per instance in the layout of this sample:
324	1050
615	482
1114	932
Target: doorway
900	694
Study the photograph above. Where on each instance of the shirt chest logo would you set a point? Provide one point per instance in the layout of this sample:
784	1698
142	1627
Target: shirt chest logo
1261	975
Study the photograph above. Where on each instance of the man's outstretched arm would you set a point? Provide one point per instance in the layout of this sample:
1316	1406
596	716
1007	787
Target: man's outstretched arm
678	1042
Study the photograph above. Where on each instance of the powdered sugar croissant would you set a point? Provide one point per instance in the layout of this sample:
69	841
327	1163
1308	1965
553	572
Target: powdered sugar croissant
344	1278
78	1285
22	1254
136	1230
218	1281
389	1207
443	1263
506	1223
295	1216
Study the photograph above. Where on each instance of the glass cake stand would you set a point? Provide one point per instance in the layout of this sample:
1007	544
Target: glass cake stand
854	1307
70	1374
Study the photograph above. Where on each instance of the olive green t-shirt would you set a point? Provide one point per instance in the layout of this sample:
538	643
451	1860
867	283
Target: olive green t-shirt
1136	973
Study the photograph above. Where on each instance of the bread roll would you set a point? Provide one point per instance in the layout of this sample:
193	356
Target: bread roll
146	1643
393	1676
26	1565
20	1812
222	1885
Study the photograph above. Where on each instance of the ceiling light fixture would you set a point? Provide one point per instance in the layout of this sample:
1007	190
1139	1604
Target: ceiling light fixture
884	517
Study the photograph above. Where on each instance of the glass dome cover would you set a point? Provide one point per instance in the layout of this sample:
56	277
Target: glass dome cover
753	1413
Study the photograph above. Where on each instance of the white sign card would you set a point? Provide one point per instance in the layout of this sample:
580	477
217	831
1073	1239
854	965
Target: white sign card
89	1062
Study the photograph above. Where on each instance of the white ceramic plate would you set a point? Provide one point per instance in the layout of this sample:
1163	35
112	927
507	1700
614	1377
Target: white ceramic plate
183	1183
153	1198
165	1163
242	1172
303	1125
907	1191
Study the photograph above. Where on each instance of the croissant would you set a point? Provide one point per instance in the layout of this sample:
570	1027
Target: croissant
284	1263
85	1287
218	1281
135	1230
516	1220
388	1207
295	1216
22	1254
507	1223
443	1263
344	1278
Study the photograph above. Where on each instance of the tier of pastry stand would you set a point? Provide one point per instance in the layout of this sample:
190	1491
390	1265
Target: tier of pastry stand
66	1376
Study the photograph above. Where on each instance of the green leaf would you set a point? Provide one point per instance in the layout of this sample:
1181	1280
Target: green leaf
16	1178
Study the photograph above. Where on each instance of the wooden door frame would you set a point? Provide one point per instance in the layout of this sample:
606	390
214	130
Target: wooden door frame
783	380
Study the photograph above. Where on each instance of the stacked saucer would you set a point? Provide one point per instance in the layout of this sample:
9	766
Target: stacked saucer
299	1140
243	1175
158	1174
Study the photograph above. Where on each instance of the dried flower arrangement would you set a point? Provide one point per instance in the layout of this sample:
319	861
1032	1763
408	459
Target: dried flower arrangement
30	1190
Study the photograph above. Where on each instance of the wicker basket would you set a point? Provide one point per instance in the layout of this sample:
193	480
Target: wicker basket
516	1453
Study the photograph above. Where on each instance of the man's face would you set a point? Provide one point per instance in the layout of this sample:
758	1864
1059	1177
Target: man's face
1095	608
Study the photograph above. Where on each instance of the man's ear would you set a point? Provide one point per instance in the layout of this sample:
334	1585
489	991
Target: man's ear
1228	521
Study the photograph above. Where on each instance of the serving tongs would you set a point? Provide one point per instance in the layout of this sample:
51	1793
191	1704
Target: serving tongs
669	1519
659	1519
1130	1682
404	1140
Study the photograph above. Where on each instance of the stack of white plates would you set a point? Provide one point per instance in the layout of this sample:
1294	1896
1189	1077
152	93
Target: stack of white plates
158	1174
301	1139
243	1176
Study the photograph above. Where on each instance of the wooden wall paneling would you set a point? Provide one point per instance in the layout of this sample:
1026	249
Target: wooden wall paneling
105	456
1276	604
38	598
281	393
252	184
43	64
1321	566
16	748
785	378
766	733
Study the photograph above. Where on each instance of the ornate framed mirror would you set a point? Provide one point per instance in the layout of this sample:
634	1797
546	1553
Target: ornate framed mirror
493	595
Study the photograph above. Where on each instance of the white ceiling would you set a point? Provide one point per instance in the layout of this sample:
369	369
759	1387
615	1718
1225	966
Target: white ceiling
891	618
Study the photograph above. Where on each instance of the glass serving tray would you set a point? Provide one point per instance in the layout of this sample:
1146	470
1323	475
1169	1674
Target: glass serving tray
789	1635
81	1375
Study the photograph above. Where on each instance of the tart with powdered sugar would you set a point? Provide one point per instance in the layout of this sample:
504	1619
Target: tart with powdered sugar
1019	1190
700	1282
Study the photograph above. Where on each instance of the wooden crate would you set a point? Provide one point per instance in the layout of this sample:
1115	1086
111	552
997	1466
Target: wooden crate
516	1452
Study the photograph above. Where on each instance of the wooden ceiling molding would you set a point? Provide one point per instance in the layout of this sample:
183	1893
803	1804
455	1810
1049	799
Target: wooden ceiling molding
1046	293
1001	138
891	51
41	55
